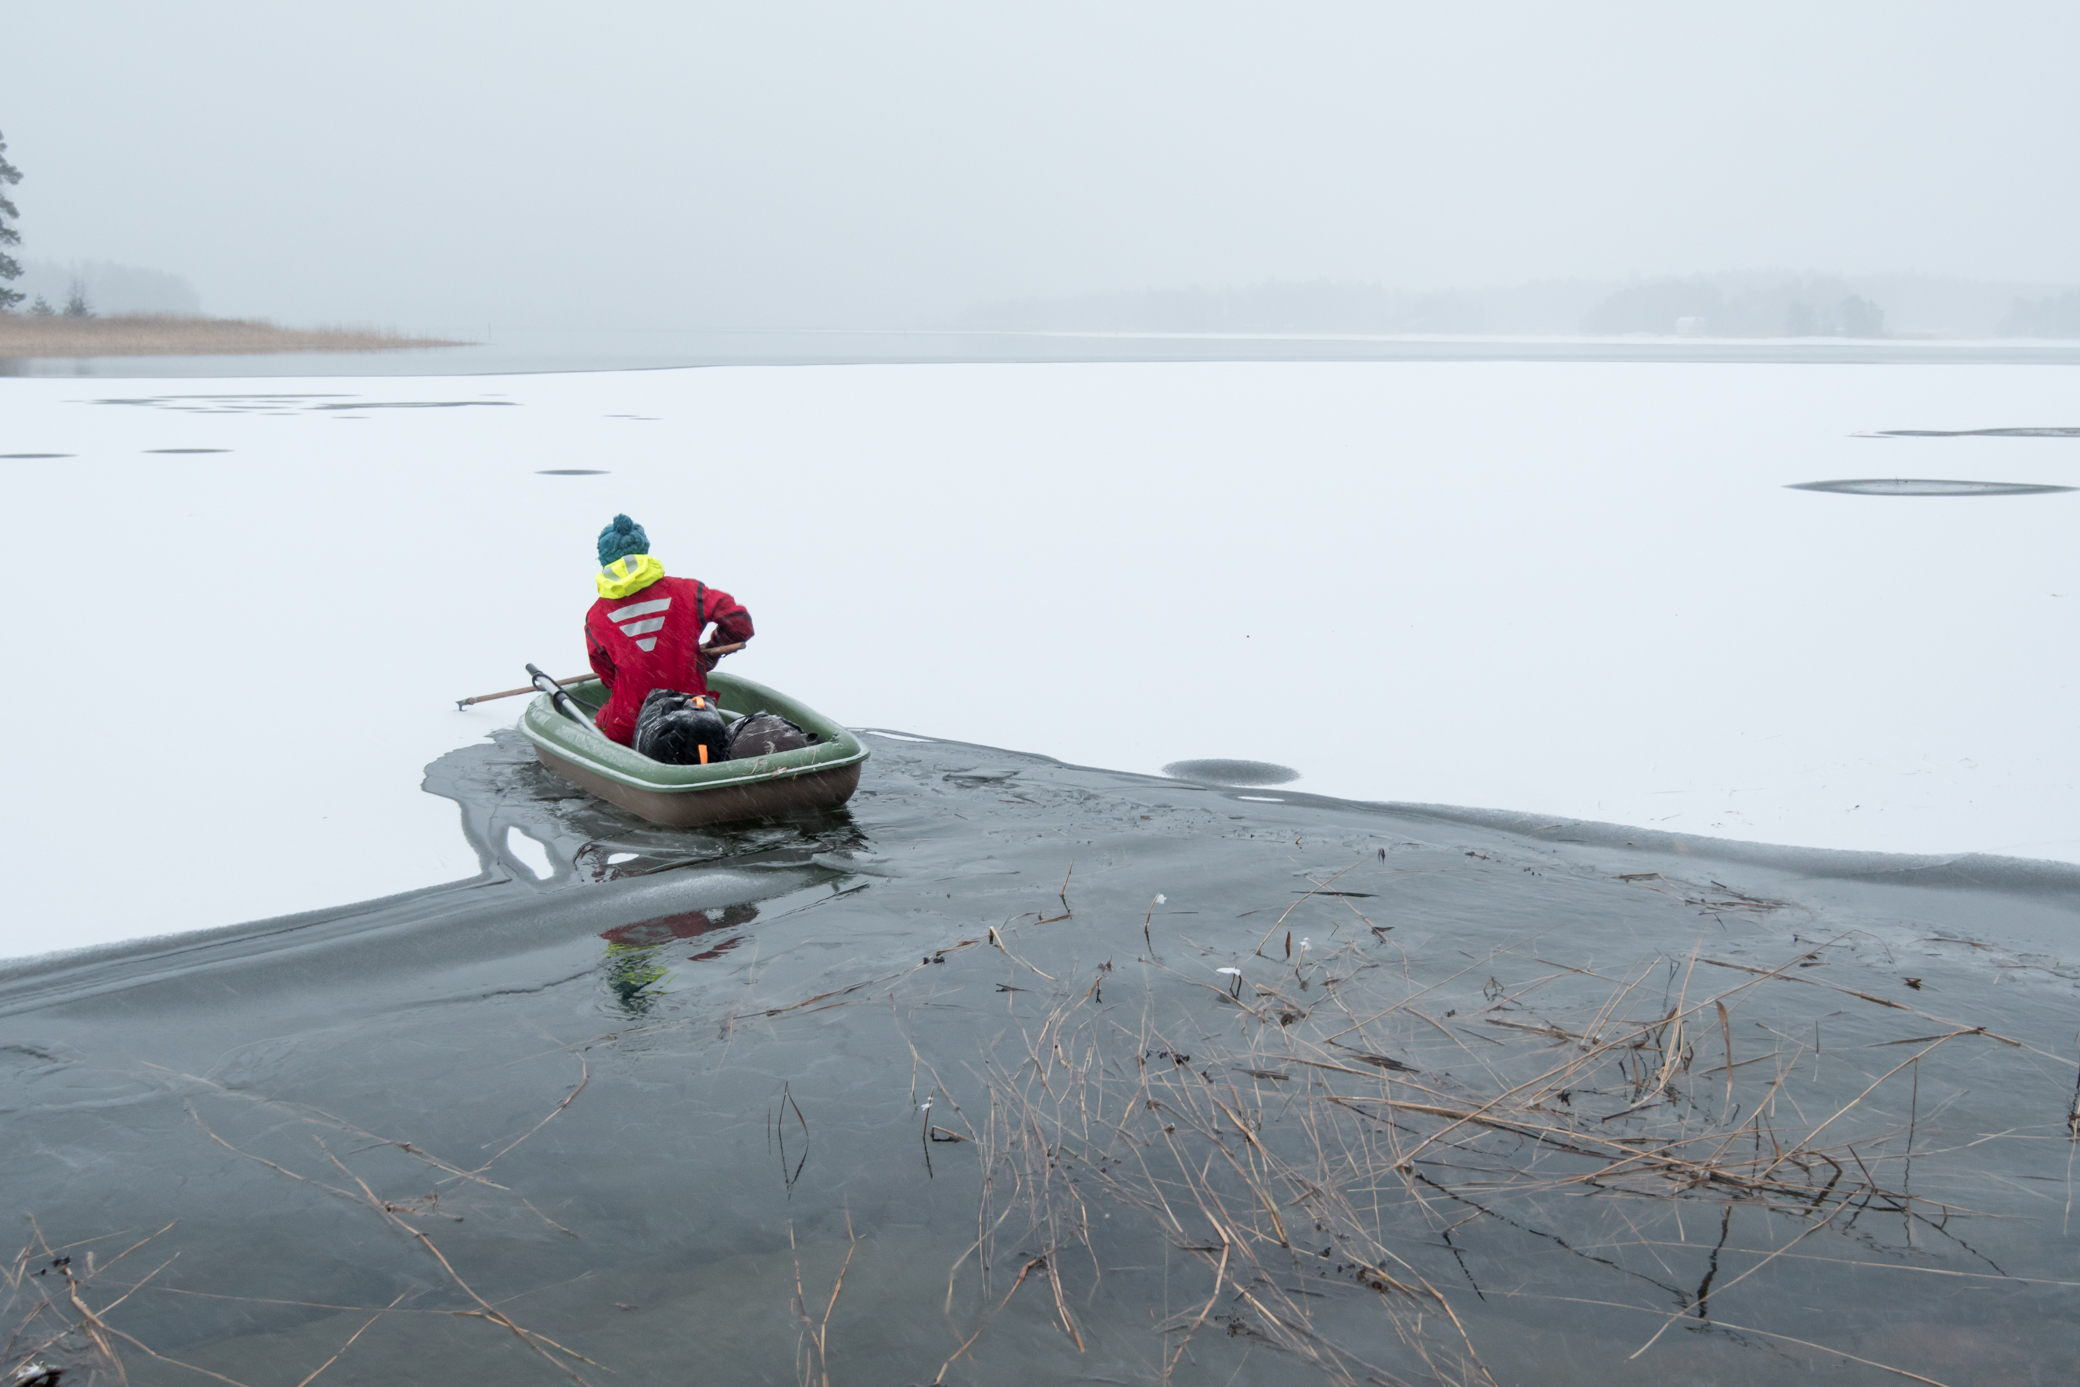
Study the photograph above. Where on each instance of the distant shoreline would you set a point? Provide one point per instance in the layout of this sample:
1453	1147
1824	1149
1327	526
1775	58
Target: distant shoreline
161	334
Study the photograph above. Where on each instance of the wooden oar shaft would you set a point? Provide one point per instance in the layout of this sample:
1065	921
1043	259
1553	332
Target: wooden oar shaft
529	688
509	693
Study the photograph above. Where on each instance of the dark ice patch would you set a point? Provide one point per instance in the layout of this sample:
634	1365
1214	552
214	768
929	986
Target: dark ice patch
286	403
222	404
570	472
1223	772
28	456
413	404
1979	433
1924	486
554	1080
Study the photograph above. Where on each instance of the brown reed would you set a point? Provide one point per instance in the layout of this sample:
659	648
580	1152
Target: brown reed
161	334
1269	1141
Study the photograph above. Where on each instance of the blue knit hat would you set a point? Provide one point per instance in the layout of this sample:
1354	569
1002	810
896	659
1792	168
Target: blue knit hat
620	539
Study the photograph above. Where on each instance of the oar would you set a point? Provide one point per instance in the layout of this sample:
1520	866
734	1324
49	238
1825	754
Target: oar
509	693
565	704
531	688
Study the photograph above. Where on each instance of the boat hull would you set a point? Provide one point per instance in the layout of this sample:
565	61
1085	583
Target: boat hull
818	777
769	799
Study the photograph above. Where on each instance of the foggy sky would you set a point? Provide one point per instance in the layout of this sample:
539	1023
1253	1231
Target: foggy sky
454	164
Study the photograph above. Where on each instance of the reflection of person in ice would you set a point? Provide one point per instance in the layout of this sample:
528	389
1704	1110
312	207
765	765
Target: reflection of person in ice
635	953
645	630
691	924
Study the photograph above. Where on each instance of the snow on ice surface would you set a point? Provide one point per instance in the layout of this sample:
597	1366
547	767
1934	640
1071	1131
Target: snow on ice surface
529	854
1577	589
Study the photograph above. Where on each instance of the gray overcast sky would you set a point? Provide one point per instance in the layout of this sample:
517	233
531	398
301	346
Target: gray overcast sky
449	163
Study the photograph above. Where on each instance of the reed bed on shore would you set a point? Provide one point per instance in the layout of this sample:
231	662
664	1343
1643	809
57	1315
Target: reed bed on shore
160	334
1301	1121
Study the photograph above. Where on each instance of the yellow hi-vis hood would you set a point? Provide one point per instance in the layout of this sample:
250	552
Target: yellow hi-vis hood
624	576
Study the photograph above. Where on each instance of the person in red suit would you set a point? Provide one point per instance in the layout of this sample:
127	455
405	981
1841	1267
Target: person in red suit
645	630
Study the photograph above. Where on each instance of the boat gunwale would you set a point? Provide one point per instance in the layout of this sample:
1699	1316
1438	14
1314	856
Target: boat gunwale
541	715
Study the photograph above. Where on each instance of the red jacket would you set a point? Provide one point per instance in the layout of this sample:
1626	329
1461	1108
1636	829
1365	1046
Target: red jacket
648	636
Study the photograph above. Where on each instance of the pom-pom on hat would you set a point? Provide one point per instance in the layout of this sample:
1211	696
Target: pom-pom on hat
620	539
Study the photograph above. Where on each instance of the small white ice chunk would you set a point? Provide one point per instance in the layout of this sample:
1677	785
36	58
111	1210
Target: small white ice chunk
1236	971
529	854
1262	799
614	857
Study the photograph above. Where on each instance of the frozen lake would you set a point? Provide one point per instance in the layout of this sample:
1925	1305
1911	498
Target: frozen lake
1020	1073
506	351
1580	589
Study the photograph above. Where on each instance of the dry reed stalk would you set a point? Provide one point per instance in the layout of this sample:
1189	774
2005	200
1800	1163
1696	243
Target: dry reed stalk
816	1333
584	1078
351	1338
1319	888
56	1318
391	1213
320	1116
485	1308
1275	1114
1051	1130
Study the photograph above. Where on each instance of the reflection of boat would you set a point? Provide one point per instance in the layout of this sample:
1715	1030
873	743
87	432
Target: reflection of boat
635	970
820	776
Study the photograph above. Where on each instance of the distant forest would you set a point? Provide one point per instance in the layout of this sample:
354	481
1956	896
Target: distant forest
100	286
1728	305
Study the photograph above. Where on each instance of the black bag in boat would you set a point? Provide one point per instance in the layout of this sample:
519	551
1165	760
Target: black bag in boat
764	733
681	729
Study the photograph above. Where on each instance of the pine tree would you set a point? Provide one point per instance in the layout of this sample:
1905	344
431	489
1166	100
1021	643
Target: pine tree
10	268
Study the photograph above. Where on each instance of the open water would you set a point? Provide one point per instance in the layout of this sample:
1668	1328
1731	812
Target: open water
950	1086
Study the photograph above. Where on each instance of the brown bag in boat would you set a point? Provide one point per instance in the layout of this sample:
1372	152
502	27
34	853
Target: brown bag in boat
764	733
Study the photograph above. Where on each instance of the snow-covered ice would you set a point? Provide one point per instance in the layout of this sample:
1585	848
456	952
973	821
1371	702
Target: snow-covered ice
241	611
529	853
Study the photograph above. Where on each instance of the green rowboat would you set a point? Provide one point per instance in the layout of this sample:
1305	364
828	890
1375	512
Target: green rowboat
821	776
